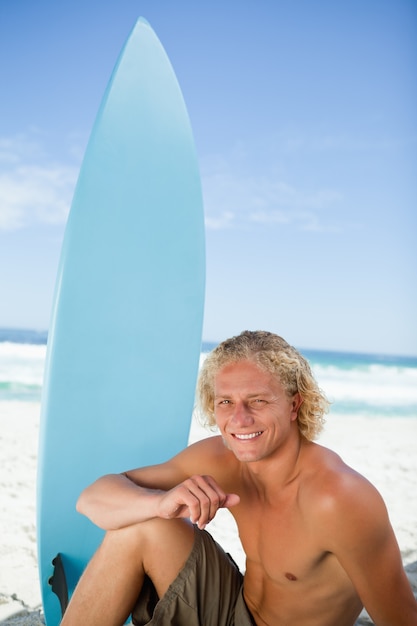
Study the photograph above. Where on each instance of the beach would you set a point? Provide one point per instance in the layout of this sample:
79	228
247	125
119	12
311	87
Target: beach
382	449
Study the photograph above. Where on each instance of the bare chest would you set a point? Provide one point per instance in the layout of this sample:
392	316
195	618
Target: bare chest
286	561
282	542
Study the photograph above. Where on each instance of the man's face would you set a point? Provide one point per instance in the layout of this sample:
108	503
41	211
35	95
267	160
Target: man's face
253	412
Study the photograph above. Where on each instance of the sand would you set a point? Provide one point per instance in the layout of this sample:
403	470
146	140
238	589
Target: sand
383	450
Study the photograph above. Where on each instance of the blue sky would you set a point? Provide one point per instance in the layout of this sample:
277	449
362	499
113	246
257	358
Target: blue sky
305	121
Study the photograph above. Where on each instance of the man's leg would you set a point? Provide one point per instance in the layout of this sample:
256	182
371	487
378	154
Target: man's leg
111	583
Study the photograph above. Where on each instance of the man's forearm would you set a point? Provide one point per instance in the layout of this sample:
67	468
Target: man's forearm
114	501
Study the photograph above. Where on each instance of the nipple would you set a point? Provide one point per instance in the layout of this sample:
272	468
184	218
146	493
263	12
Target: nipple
290	576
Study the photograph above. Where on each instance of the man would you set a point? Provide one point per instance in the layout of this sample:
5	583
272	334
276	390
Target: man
316	534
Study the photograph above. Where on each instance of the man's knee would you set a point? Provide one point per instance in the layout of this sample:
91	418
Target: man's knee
152	543
163	531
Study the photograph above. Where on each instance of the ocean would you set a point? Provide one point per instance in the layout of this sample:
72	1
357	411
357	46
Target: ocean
366	385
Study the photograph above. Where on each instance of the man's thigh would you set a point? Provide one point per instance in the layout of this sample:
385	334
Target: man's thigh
167	546
204	592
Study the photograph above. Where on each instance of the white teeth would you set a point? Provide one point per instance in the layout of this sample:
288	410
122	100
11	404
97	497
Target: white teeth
251	436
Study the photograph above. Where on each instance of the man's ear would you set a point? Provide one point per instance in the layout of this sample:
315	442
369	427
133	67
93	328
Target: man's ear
297	401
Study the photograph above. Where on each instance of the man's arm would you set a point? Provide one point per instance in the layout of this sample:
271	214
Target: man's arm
365	544
170	490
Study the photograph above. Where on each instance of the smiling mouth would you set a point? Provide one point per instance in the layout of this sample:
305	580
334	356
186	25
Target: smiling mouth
242	437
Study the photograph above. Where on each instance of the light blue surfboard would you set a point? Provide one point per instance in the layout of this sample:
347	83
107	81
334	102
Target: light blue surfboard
125	335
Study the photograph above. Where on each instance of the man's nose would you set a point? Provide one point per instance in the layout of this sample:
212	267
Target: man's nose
242	415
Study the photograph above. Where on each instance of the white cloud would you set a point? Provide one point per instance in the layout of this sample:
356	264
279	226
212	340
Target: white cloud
33	189
220	221
233	200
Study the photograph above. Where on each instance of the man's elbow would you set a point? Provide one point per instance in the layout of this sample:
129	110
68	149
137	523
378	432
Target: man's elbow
81	505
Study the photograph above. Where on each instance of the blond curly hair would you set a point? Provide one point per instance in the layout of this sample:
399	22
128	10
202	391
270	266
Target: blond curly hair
273	354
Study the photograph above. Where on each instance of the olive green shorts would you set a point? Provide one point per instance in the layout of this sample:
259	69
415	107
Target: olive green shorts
207	592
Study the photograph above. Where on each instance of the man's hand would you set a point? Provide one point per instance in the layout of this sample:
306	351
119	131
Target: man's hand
198	498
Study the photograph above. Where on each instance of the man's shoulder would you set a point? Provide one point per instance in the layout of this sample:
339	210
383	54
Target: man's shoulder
326	473
338	494
208	453
211	444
